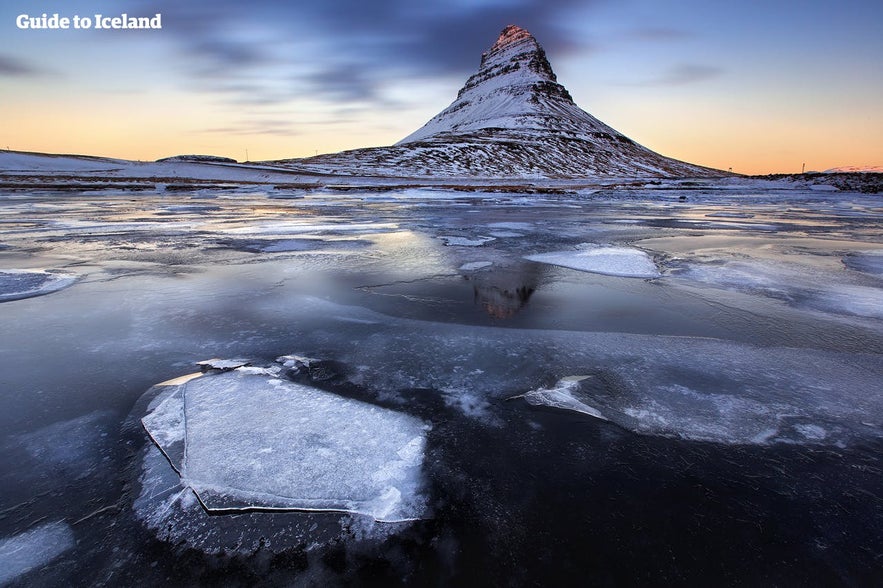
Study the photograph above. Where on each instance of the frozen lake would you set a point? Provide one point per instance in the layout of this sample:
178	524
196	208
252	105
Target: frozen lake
608	387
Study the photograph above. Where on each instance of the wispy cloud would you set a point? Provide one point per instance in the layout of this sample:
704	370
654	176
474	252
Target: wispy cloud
11	67
681	75
265	52
659	34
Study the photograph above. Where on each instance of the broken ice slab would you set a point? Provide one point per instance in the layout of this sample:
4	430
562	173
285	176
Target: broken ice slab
257	442
296	361
562	396
222	364
19	284
602	259
452	240
165	425
33	549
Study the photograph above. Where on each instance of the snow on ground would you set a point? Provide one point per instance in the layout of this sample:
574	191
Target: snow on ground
17	284
602	259
257	441
33	549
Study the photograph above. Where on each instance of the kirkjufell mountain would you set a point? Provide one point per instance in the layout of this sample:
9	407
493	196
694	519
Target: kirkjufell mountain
511	119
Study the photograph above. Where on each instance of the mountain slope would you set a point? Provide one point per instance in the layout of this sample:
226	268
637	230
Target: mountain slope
511	119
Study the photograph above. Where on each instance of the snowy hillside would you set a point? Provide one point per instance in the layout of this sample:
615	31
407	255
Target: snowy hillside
512	118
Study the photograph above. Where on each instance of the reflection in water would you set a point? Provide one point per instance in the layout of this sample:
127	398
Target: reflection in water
503	292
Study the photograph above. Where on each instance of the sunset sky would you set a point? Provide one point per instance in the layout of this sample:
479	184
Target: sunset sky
756	86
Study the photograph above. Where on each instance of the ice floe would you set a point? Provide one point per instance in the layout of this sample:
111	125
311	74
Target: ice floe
33	549
245	441
602	259
17	284
452	240
475	265
562	396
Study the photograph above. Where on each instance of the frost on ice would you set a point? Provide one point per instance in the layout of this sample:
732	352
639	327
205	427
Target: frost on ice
602	259
563	396
33	549
243	441
18	284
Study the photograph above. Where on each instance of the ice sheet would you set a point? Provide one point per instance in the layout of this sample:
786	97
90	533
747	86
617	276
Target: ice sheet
256	441
870	262
19	284
798	284
33	549
602	259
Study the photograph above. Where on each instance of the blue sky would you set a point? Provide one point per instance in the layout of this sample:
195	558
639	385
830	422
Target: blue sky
756	86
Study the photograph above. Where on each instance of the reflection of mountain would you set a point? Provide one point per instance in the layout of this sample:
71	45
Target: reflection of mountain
512	119
504	292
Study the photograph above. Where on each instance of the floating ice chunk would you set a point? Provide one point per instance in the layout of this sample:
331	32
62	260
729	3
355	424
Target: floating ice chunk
165	425
296	361
222	364
258	442
451	240
475	265
33	549
603	259
562	396
19	284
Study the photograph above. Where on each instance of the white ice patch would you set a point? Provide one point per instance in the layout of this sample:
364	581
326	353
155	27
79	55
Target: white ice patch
19	284
33	549
602	259
222	364
562	396
475	265
451	240
258	442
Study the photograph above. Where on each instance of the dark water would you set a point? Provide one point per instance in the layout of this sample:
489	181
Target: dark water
781	308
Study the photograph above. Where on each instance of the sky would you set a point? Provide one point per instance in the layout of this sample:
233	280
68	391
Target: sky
753	86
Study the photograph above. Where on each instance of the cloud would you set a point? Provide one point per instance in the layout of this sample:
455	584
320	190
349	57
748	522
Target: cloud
11	67
682	74
658	34
346	50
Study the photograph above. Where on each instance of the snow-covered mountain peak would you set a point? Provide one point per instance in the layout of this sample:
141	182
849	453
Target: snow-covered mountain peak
514	88
511	34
